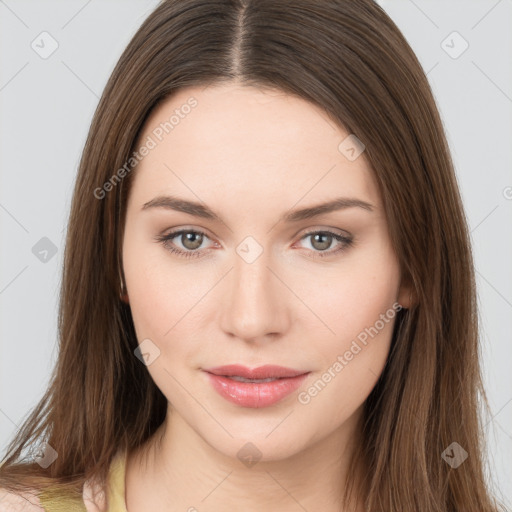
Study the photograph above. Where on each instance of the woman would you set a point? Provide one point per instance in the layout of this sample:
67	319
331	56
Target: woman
268	294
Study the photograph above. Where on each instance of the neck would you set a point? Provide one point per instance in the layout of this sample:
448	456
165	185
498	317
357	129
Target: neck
178	470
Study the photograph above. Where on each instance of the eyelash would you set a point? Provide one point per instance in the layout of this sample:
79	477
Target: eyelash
165	240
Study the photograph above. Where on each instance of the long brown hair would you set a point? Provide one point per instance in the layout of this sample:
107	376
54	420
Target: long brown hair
349	58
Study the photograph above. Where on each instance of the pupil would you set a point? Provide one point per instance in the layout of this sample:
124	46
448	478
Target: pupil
189	240
324	245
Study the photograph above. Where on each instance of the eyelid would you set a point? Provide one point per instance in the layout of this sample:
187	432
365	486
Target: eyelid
187	229
323	229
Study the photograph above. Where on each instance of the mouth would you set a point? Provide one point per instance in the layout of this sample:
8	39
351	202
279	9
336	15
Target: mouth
268	371
254	381
255	388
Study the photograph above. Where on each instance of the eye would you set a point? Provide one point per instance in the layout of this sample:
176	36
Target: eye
321	241
191	241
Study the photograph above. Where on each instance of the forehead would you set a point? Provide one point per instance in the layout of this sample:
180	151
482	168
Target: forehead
245	140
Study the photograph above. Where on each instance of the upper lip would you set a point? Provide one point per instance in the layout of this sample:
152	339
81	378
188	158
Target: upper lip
261	372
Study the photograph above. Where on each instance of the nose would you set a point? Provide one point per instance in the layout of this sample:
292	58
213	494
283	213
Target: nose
255	304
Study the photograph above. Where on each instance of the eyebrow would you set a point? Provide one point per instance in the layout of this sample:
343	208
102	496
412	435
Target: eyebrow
199	210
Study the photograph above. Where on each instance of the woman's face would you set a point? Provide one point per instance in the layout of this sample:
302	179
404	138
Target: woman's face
256	278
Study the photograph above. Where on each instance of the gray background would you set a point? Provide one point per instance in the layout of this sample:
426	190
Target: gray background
47	105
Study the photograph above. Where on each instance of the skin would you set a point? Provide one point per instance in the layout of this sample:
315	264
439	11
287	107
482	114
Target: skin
251	155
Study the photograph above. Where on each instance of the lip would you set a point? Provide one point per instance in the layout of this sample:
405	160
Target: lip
255	395
261	372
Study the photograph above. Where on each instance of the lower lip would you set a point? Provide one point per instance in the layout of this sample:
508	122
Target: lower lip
255	395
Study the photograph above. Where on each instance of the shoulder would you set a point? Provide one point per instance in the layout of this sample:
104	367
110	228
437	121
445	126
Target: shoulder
95	495
45	501
19	502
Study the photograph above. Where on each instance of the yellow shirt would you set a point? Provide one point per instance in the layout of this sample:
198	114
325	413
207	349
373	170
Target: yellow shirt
93	496
116	495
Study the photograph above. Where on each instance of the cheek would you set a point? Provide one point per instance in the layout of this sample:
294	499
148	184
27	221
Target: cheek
173	305
350	368
162	299
159	293
352	297
146	295
358	305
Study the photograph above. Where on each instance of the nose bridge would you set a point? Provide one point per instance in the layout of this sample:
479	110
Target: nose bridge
254	305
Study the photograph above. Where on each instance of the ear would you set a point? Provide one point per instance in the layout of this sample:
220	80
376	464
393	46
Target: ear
406	295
